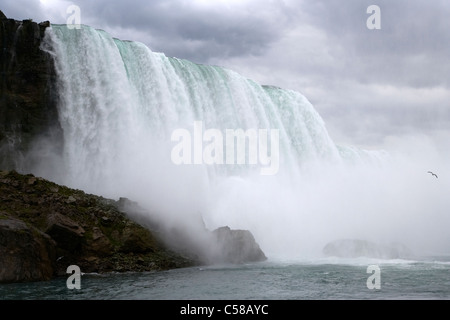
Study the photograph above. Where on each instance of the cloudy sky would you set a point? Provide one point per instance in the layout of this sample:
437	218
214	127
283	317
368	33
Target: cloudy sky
372	87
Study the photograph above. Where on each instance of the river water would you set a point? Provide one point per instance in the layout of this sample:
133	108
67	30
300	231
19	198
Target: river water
322	279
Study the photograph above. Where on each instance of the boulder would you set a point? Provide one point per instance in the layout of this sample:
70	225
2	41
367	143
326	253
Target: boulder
42	233
27	254
137	241
67	233
100	245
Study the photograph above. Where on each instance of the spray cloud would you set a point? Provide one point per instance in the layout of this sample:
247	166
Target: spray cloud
121	104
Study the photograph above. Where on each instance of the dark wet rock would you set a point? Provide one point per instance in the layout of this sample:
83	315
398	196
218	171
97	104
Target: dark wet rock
28	95
101	245
68	234
27	254
41	234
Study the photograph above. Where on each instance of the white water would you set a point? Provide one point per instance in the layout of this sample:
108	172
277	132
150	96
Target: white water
120	103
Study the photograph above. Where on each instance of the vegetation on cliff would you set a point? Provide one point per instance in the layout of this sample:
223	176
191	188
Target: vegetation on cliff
45	227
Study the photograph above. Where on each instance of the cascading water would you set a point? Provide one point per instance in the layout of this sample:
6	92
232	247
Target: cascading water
119	96
120	104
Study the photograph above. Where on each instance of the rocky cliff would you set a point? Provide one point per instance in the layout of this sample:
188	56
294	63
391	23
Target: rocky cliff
45	227
28	99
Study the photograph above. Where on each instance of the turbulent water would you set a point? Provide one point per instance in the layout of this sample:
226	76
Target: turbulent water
120	105
326	279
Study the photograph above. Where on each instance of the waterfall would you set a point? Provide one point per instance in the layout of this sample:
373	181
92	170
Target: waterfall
118	99
120	105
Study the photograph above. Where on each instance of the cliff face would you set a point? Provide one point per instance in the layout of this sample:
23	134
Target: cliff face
28	100
45	227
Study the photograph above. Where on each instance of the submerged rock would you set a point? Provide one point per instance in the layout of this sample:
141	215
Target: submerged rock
354	248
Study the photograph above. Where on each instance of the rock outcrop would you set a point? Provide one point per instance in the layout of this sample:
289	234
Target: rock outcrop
28	97
46	227
194	240
236	246
26	253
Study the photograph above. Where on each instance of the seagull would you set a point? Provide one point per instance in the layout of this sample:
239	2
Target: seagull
434	174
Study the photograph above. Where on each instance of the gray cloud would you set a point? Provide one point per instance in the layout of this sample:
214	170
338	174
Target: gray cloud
22	9
187	30
178	28
412	47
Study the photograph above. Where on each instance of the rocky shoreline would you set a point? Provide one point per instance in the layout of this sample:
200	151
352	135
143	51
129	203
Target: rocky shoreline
45	227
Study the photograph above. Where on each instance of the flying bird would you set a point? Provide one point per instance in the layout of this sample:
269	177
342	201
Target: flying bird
434	174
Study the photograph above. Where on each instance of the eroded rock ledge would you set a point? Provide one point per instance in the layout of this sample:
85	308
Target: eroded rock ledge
45	227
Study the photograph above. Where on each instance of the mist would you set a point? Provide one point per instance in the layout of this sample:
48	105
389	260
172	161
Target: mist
398	202
120	106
